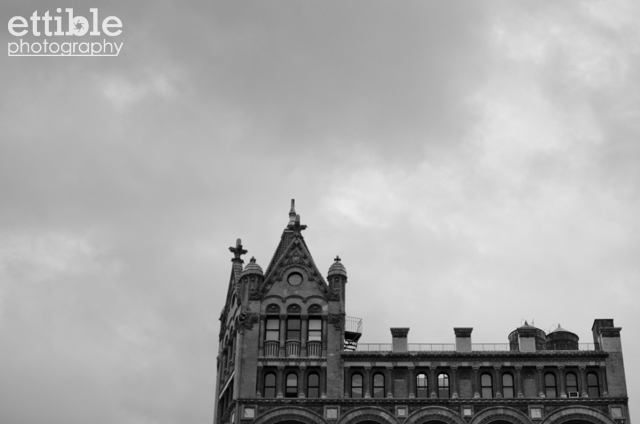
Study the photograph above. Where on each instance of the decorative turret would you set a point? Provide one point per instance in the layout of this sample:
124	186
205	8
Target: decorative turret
252	268
337	268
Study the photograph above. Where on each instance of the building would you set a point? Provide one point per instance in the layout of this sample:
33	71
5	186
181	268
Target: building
290	354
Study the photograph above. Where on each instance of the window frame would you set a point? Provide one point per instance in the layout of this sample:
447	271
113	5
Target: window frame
272	331
361	386
595	386
508	386
289	332
377	394
314	332
424	388
265	386
571	387
486	388
549	387
291	391
315	387
444	386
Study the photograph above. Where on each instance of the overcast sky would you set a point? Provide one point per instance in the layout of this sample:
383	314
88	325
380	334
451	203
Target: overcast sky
473	163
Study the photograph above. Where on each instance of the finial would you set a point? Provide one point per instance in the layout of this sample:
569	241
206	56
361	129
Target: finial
337	259
292	212
252	260
237	251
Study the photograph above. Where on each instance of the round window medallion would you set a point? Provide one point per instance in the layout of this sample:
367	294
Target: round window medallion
294	279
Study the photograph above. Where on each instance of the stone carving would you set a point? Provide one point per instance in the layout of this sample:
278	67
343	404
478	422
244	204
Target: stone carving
336	320
246	319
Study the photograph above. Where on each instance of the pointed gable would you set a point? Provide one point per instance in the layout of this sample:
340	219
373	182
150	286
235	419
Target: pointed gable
292	252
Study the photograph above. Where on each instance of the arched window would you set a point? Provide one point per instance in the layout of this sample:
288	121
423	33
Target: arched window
572	384
507	386
270	385
422	390
313	386
550	385
486	386
356	386
443	385
593	388
378	385
292	385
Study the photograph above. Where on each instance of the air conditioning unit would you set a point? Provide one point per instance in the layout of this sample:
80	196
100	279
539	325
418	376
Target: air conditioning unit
574	394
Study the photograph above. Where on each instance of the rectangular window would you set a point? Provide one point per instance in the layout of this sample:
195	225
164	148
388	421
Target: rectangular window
293	329
315	329
273	329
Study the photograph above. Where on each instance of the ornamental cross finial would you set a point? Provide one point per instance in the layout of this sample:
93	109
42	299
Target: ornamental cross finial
337	259
237	251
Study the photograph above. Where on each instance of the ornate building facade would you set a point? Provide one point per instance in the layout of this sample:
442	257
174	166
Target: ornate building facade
290	354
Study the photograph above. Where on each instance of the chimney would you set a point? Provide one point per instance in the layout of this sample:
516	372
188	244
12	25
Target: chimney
399	339
463	338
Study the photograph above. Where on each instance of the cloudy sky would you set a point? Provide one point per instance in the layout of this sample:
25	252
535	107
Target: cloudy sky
473	163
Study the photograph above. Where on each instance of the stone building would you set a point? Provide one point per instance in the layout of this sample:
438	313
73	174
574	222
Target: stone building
290	354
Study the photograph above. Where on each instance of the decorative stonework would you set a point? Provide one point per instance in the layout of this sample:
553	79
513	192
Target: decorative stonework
246	320
336	320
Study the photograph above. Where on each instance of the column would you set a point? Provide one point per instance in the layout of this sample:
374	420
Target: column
323	381
497	381
563	381
259	380
263	323
519	381
412	381
454	382
389	381
583	381
283	333
433	382
324	335
305	327
302	379
280	382
602	381
474	382
367	382
347	382
540	381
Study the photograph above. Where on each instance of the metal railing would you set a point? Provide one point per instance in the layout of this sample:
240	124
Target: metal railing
490	347
373	347
353	324
432	347
451	347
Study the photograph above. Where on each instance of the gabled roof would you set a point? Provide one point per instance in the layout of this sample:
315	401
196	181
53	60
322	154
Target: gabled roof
292	250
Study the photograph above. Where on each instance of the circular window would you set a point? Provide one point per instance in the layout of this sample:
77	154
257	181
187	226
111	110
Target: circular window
294	279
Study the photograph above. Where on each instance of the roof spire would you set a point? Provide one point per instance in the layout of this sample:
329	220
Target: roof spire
292	212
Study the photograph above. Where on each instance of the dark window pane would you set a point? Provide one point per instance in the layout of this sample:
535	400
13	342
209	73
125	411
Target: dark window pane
507	392
270	385
486	392
313	386
356	386
293	329
551	392
378	386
